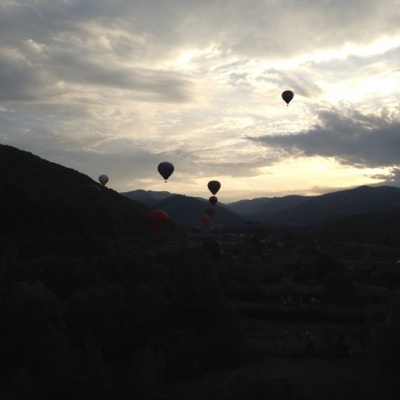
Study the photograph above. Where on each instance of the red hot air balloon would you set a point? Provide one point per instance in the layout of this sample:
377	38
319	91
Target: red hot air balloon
165	169
213	200
205	218
214	186
158	219
287	96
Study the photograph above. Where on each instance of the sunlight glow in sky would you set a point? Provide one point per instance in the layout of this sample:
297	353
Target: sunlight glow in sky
116	88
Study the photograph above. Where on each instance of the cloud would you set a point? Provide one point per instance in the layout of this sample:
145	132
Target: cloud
391	179
253	28
19	79
126	84
352	138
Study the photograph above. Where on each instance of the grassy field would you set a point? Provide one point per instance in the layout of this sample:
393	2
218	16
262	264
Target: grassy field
292	369
302	351
284	377
265	337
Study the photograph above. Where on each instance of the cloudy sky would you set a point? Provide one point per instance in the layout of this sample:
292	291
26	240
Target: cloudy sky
116	87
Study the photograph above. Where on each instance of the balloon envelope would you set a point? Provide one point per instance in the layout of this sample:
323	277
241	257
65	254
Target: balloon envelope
165	169
213	200
157	219
103	179
205	218
287	96
214	186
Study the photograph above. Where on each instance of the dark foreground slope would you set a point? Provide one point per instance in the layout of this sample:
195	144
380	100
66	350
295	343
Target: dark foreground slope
43	200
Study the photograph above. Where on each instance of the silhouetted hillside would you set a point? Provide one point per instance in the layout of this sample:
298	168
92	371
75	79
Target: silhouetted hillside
148	197
278	204
291	210
361	199
363	203
319	209
255	207
41	199
249	207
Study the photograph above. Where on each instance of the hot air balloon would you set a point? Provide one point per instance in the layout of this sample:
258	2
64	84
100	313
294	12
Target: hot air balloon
165	169
214	186
103	179
213	200
157	219
287	96
205	218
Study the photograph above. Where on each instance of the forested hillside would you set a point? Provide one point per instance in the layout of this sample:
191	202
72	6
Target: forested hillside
43	201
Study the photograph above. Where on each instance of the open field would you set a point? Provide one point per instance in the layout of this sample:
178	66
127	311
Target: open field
287	377
293	369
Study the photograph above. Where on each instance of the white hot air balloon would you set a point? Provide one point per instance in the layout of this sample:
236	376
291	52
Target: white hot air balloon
103	179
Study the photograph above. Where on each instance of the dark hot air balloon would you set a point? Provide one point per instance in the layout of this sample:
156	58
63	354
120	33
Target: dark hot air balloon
165	169
158	219
214	186
213	200
287	96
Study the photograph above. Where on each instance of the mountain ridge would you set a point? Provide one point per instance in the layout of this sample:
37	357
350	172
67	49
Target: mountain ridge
42	197
298	210
47	201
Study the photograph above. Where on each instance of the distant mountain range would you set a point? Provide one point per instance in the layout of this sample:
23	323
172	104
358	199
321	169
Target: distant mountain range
148	197
43	199
362	204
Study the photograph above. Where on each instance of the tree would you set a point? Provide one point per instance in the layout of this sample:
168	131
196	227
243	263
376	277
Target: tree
339	289
387	350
